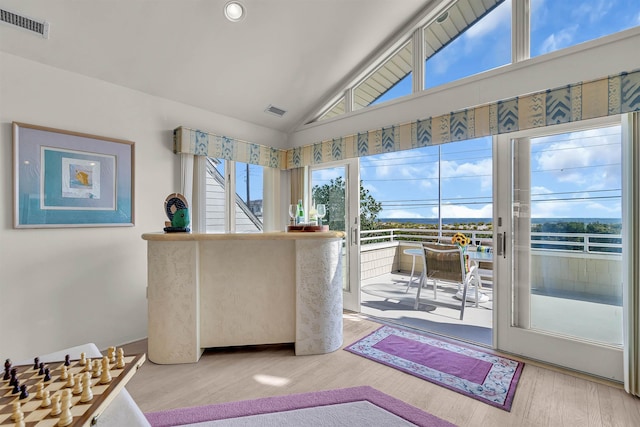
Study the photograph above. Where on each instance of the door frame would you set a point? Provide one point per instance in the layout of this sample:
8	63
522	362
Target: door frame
596	359
351	295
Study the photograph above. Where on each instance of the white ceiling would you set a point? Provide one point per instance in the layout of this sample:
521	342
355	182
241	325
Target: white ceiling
293	54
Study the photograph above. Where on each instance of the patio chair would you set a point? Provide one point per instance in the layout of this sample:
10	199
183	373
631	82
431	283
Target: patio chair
447	263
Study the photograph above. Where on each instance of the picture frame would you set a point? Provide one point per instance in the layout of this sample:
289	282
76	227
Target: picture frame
70	179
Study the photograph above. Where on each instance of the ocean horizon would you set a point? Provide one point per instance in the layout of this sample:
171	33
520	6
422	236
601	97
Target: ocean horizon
490	220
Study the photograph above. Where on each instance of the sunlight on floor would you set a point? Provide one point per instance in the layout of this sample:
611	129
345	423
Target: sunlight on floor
271	380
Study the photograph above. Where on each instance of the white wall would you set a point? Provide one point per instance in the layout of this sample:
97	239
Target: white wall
588	61
65	287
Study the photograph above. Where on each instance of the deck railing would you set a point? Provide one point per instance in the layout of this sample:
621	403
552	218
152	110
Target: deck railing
573	242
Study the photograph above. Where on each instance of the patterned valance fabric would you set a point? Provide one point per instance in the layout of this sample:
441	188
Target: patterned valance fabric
580	101
200	143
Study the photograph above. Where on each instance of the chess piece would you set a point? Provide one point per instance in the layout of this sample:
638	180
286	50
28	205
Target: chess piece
106	375
41	371
112	354
87	394
77	388
67	360
16	409
39	390
120	359
14	377
70	381
36	363
87	367
16	387
23	392
65	373
7	364
47	375
55	405
7	374
83	359
66	417
46	400
20	420
96	369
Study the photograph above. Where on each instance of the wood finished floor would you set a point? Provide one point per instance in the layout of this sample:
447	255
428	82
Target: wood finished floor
544	397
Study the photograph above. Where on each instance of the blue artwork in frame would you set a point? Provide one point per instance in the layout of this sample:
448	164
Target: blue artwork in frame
70	179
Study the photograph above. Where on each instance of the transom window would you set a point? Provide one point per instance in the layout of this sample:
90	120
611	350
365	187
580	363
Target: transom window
474	36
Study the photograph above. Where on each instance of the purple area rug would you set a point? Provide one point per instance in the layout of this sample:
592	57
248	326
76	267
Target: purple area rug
489	378
249	412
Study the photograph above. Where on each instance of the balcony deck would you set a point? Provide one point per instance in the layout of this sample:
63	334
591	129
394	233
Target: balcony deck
384	297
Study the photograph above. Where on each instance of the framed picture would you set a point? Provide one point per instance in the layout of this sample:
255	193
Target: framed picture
70	179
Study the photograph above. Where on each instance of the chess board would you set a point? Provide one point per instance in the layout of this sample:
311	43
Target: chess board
84	414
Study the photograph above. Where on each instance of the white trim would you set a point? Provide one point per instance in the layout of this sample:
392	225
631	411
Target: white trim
631	246
581	355
520	30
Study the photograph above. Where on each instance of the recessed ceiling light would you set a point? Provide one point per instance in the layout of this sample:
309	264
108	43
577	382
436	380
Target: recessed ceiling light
234	11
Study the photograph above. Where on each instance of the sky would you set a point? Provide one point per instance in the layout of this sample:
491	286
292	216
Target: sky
573	175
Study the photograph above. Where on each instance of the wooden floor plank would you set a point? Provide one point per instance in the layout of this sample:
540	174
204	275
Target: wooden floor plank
544	397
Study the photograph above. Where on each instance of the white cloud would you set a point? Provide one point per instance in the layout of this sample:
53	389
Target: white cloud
399	165
372	188
500	16
327	174
593	10
559	40
459	211
398	213
480	171
576	159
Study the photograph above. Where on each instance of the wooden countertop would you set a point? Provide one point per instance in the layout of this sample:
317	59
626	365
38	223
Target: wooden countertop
275	235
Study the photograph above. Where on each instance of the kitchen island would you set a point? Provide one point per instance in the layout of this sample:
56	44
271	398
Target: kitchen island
237	289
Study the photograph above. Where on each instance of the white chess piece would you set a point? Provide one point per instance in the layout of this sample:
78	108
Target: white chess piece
87	367
39	390
83	360
19	419
120	359
96	369
106	375
55	407
65	373
66	417
70	380
87	394
112	354
77	388
46	401
17	411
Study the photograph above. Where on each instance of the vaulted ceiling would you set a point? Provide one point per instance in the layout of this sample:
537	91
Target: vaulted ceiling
292	54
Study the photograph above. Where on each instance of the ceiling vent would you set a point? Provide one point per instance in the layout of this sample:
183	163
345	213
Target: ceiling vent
39	27
275	111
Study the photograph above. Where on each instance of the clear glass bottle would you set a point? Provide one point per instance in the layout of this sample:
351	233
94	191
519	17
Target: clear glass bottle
313	214
300	215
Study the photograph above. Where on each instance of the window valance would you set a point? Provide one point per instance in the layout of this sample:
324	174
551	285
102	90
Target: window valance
607	96
201	143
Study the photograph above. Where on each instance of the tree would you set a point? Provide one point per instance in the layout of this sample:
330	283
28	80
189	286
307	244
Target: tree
332	196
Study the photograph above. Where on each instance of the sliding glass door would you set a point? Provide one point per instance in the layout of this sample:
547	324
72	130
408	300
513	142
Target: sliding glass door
559	252
336	185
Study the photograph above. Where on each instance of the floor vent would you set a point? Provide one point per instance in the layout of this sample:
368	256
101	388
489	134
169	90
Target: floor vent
39	27
275	111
